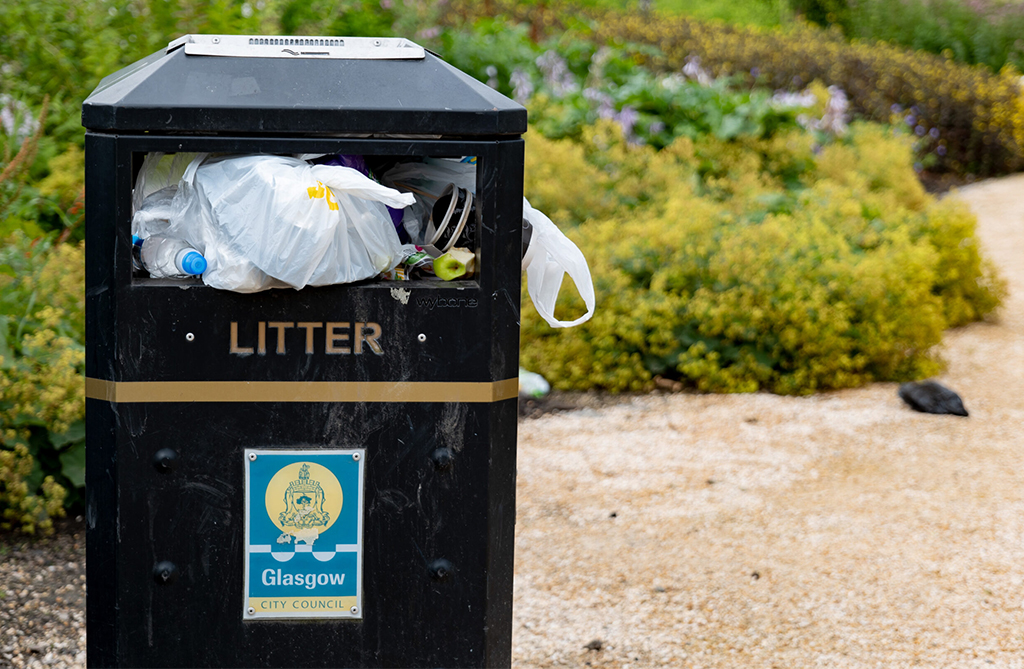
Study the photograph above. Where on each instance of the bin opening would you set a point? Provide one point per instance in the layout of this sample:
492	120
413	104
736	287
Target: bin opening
263	46
260	221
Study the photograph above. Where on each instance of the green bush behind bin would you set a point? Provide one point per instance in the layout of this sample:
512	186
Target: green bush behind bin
733	281
42	389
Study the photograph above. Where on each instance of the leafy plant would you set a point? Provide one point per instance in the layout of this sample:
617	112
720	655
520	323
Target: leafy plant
825	13
982	32
42	392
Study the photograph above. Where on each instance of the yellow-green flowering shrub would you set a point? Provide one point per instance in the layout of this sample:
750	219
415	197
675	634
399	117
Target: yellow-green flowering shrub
42	391
24	510
763	265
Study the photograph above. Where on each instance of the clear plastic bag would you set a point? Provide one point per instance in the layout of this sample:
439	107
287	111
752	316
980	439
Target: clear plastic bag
428	180
272	221
160	171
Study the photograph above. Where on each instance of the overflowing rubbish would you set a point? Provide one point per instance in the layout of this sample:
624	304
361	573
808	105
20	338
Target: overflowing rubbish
248	223
275	221
532	384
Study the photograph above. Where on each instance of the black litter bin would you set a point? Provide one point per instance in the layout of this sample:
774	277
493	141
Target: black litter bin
321	477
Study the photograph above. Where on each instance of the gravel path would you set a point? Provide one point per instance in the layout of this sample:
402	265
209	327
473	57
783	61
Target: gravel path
840	530
42	599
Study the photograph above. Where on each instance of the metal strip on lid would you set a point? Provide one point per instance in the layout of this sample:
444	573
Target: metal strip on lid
274	46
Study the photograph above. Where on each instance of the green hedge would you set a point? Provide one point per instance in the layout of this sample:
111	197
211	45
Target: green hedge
966	119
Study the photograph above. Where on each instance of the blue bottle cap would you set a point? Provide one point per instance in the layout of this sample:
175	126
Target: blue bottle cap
193	263
136	240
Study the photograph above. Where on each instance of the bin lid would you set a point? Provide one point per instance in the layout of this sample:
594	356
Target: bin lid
228	84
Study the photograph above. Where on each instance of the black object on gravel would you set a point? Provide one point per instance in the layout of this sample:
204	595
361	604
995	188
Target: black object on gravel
932	397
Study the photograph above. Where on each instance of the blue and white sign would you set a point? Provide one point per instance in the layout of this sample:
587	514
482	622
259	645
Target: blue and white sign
304	533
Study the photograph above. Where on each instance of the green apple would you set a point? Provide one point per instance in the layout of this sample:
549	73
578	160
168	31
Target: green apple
458	262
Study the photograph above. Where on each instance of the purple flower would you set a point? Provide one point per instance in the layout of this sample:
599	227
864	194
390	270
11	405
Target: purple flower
755	72
656	127
557	74
934	133
604	102
911	119
914	109
919	131
522	87
895	108
941	150
626	119
693	70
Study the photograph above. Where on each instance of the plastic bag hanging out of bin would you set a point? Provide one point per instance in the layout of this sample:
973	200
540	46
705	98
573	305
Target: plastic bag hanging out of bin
216	419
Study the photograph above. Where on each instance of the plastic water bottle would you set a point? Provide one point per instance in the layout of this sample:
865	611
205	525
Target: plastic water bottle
166	257
136	253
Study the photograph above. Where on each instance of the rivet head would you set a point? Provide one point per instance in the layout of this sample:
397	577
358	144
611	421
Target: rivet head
252	457
354	609
421	337
165	572
165	460
251	611
442	458
440	569
190	337
355	456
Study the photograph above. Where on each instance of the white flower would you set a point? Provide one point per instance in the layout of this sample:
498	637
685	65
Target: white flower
16	118
694	71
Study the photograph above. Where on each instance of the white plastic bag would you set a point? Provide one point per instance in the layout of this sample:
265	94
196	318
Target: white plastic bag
550	256
270	221
160	171
155	188
153	215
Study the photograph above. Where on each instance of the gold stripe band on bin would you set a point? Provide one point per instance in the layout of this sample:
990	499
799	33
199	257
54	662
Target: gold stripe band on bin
300	391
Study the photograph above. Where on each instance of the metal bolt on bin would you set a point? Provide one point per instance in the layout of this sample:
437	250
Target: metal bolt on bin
263	489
